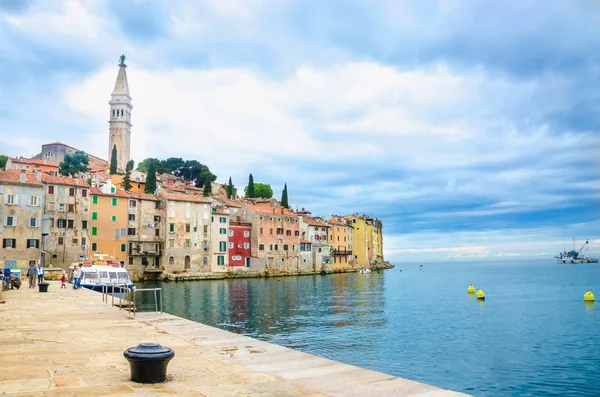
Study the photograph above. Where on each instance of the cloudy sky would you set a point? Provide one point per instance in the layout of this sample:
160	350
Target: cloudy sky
471	128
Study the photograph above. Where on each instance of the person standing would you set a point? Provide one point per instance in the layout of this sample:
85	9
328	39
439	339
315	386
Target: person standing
63	280
40	273
76	277
32	273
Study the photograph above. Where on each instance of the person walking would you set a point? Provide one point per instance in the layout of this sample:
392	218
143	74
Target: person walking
76	277
40	273
63	281
32	274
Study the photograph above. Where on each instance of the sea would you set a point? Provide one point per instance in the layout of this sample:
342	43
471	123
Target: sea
532	336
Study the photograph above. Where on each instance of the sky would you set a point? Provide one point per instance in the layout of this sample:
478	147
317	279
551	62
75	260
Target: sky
471	129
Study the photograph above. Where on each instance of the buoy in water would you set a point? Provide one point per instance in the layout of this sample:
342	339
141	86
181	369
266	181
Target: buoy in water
480	295
471	289
588	296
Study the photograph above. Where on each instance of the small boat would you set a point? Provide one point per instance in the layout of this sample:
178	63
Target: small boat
103	274
575	256
364	270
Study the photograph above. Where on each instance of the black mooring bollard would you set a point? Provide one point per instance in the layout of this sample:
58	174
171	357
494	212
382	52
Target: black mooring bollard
43	286
148	362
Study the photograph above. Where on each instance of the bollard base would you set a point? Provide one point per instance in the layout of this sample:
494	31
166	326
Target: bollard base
43	286
148	362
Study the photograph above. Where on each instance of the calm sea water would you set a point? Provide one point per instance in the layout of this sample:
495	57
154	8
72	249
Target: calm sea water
533	336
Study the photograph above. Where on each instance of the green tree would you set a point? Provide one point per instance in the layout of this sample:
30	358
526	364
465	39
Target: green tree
262	190
229	189
130	164
250	188
207	187
127	177
3	160
284	197
74	163
113	160
150	186
145	164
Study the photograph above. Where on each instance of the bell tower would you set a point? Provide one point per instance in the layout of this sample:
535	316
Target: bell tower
120	118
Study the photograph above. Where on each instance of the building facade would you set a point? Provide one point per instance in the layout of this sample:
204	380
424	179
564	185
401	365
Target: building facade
109	222
120	118
317	233
21	196
278	237
144	237
240	244
32	165
341	243
219	240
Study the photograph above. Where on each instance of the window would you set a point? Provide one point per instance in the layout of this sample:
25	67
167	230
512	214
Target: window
156	218
205	230
61	207
279	230
204	260
288	232
157	232
94	231
34	201
83	192
61	223
171	227
187	243
61	241
187	228
222	231
171	243
285	247
83	242
261	231
113	218
296	233
132	217
113	189
10	221
71	208
70	223
278	219
261	218
270	231
123	247
223	219
222	246
261	247
50	189
220	260
247	245
74	241
94	246
293	248
276	247
9	243
71	191
94	216
114	201
270	247
123	232
156	205
246	233
248	262
187	262
11	199
131	231
230	245
132	203
171	260
94	199
230	233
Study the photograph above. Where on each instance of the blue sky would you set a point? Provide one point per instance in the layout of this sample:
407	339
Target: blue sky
472	129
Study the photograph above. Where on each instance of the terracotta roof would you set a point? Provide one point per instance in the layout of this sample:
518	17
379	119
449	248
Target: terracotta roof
313	222
185	197
33	161
119	193
227	202
64	180
14	177
337	223
143	196
269	210
306	241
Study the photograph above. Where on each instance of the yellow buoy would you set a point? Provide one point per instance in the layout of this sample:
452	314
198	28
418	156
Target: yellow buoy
471	289
588	296
480	294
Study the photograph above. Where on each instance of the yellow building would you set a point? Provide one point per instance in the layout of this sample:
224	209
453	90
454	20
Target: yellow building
342	243
137	184
108	222
368	239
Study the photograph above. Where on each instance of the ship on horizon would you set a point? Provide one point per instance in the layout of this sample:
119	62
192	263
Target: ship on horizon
575	256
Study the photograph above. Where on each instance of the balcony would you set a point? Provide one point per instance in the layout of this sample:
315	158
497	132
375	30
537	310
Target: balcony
341	252
136	252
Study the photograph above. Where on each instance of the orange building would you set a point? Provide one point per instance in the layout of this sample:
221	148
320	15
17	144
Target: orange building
31	165
108	222
341	242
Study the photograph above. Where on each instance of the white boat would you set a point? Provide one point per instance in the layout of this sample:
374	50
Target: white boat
102	273
575	256
365	271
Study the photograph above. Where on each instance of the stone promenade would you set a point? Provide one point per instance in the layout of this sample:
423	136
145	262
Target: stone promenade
70	343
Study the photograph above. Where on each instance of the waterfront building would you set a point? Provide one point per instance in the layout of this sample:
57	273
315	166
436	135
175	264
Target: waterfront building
120	118
341	243
376	228
109	222
278	237
55	153
317	232
21	196
367	238
240	243
219	239
66	209
144	238
32	165
187	231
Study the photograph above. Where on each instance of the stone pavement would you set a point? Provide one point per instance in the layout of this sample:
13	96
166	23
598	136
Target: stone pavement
70	343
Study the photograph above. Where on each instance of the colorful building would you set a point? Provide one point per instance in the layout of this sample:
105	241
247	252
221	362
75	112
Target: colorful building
367	238
240	243
109	222
318	233
341	242
219	239
144	237
32	165
21	196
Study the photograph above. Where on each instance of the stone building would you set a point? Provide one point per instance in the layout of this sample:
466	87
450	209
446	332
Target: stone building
144	236
317	232
21	196
187	231
32	165
67	210
219	239
120	118
55	153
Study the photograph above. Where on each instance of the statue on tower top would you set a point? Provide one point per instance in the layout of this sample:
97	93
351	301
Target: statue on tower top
122	57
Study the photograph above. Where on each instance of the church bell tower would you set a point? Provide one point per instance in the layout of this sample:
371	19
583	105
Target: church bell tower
120	118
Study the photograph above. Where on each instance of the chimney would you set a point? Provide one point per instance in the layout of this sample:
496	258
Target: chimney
23	176
38	175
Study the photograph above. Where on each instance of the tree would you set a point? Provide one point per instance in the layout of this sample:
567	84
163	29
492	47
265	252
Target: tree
150	186
262	190
229	189
127	177
130	164
250	188
207	187
284	197
145	164
3	160
73	164
113	160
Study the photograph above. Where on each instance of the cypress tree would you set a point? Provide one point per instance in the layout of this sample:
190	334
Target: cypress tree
229	189
207	186
284	197
250	187
150	180
127	177
113	160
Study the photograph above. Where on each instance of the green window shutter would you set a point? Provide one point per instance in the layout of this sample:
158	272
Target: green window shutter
114	201
94	199
220	260
114	218
94	246
94	216
94	231
222	246
222	231
112	190
123	248
171	227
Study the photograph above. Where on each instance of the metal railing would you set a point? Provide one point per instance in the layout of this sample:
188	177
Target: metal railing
155	290
128	295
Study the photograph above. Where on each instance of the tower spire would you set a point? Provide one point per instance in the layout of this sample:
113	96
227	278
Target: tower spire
120	118
121	85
